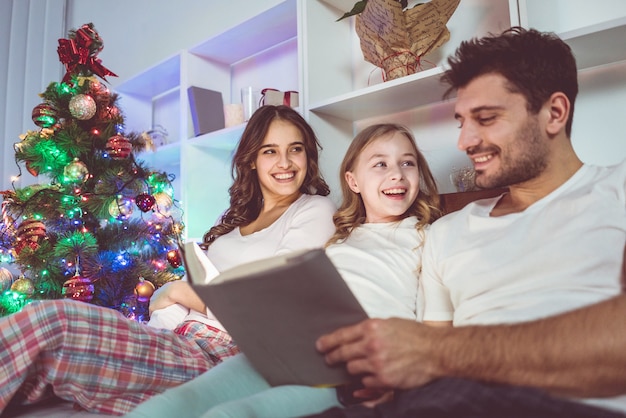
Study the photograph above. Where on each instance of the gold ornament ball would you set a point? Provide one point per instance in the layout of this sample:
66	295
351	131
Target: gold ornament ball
121	208
144	290
164	201
82	107
23	285
76	171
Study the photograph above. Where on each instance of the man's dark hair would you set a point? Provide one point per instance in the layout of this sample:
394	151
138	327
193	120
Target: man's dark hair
536	65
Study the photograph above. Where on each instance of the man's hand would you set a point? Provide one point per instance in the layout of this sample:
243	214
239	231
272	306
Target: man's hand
388	353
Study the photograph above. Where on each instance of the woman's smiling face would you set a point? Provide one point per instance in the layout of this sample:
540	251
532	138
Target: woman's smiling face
281	162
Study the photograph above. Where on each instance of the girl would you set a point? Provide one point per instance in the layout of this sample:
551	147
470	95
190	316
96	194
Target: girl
106	363
389	199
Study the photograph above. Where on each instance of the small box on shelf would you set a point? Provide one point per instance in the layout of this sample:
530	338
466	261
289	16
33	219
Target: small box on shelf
207	110
277	97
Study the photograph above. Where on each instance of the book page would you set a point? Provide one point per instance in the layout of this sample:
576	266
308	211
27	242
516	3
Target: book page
198	266
252	267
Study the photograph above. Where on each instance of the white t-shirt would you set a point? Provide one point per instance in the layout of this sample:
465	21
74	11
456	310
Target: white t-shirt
307	223
381	262
561	253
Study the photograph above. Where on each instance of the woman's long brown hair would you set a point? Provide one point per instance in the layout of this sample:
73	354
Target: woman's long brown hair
246	198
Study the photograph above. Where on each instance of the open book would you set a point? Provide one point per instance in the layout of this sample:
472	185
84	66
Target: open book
276	308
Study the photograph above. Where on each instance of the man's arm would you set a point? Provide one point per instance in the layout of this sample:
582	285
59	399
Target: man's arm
581	353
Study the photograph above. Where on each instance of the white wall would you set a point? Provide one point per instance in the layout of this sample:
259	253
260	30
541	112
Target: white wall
140	33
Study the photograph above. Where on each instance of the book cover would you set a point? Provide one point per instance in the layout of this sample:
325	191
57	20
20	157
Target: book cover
276	308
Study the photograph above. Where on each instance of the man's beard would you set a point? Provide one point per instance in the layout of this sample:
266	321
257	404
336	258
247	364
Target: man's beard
525	159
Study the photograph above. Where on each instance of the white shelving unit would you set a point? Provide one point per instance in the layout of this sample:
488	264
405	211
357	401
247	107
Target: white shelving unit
251	53
347	92
299	45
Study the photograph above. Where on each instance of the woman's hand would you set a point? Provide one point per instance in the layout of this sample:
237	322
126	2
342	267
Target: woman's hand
161	298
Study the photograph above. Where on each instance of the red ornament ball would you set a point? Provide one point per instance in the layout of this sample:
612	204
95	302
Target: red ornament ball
98	89
78	288
29	234
144	290
32	170
82	107
44	115
118	147
145	202
31	230
173	256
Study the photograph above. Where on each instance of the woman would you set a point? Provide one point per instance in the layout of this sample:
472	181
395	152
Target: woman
389	199
106	363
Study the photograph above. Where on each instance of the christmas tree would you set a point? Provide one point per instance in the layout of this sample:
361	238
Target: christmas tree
104	230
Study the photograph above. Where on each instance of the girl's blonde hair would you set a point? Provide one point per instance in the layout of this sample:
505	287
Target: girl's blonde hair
351	213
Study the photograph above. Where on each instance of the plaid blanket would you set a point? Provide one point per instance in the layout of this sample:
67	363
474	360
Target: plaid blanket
98	358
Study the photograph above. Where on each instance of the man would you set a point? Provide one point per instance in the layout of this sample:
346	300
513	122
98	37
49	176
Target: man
549	251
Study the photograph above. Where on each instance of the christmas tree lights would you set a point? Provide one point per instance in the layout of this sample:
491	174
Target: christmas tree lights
80	236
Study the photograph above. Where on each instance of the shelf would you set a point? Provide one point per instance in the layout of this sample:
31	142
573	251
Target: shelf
155	81
167	155
598	44
409	92
225	139
342	5
264	31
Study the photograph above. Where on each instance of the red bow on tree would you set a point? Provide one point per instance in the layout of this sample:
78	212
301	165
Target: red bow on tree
78	53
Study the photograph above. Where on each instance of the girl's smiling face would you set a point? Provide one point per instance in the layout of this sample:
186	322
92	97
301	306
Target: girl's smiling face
386	176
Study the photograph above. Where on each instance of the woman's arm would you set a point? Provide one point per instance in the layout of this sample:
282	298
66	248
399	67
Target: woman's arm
176	292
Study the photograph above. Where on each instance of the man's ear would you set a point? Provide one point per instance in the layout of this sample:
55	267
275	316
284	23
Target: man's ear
351	182
559	110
